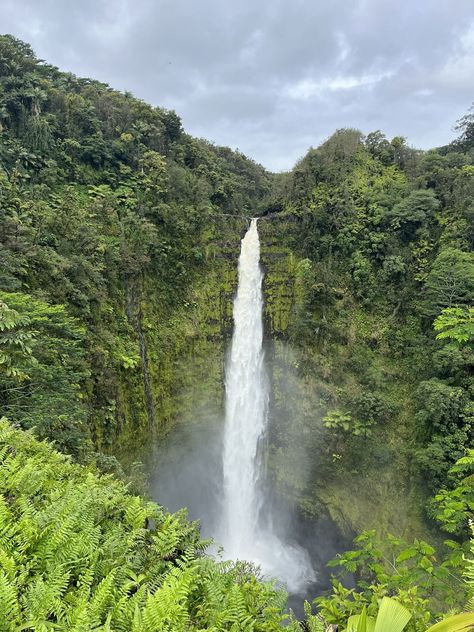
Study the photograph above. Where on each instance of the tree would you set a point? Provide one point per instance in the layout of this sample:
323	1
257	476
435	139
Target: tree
456	324
172	123
413	212
380	147
153	175
444	424
15	56
450	282
465	125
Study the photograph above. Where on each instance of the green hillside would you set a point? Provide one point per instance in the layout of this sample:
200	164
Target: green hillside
119	239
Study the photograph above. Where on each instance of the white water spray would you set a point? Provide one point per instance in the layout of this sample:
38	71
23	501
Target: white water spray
242	533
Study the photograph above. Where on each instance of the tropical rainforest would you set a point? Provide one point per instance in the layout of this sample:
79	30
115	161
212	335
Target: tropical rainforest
119	238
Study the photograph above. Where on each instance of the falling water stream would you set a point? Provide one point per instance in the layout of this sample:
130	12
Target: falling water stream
246	530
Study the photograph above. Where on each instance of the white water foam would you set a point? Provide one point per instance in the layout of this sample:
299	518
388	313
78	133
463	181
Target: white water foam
244	533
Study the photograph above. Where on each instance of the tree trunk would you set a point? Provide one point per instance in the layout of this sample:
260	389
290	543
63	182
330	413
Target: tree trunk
135	318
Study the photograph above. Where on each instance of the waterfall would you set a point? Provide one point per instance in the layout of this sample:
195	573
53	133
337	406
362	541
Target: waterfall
246	404
245	533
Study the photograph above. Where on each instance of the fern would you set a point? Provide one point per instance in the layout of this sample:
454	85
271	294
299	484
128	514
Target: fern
76	556
9	606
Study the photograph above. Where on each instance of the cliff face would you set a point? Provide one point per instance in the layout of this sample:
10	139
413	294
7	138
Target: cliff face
376	489
186	352
185	348
125	229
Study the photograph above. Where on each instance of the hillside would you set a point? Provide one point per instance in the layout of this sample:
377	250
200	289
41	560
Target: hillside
373	240
110	210
119	239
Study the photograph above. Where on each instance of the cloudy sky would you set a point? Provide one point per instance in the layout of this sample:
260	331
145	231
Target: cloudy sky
270	77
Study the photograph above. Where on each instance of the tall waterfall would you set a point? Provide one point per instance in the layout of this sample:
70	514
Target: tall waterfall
244	533
246	405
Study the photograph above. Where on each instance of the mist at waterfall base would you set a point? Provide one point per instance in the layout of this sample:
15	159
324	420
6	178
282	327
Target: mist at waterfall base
186	471
216	467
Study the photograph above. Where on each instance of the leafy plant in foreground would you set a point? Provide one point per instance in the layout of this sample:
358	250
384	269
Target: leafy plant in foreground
79	553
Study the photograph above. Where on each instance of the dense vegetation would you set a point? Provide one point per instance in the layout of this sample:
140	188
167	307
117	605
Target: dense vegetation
113	229
79	553
105	204
387	233
380	323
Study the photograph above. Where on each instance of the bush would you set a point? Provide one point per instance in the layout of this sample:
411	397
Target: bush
78	552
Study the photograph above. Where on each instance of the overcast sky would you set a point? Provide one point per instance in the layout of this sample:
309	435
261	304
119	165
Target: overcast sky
270	77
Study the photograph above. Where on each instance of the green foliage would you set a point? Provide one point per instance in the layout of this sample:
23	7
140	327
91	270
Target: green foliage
444	418
107	212
456	623
465	125
43	369
387	613
453	505
380	239
413	574
450	282
313	623
391	617
343	422
78	552
15	342
455	324
338	420
413	213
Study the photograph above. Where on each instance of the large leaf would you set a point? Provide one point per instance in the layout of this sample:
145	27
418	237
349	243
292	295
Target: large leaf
392	616
370	624
352	623
459	623
360	622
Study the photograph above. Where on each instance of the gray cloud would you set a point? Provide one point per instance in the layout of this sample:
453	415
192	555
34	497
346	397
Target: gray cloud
271	77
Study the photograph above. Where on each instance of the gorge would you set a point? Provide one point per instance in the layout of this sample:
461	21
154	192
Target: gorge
318	390
238	512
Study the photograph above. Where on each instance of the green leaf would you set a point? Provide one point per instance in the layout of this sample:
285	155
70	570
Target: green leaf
458	623
407	554
392	616
361	622
353	623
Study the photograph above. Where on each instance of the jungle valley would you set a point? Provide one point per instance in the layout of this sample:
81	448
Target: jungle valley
119	244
